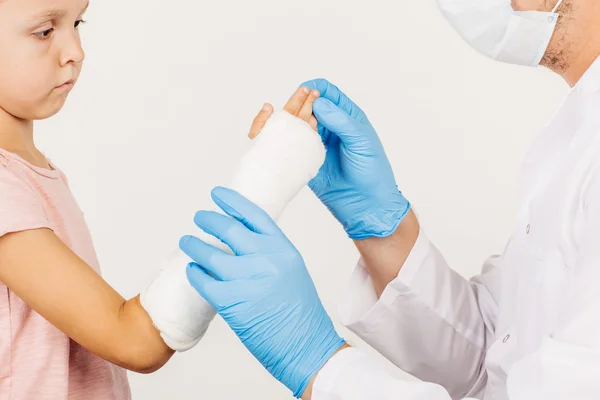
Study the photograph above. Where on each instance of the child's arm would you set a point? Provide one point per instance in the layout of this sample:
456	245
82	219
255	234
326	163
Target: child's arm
62	288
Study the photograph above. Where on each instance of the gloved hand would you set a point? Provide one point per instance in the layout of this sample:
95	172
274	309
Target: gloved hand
263	292
356	183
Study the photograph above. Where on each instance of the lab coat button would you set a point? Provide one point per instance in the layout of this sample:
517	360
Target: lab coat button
528	229
505	338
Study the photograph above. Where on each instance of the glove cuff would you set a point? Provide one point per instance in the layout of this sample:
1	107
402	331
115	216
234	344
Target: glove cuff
381	222
334	345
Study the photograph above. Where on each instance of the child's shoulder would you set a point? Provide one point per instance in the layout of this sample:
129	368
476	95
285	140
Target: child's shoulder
20	207
18	184
13	164
9	170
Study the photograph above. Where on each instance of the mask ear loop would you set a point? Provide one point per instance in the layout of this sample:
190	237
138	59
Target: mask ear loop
557	5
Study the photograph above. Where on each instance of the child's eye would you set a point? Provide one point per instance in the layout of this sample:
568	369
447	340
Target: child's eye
44	34
78	23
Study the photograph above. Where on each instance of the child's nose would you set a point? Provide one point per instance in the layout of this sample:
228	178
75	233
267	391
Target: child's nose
72	51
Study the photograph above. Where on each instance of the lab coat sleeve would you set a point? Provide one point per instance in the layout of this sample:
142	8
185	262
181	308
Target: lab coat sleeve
567	364
352	375
429	321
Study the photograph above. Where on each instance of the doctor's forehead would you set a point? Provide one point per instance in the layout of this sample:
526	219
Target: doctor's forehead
40	9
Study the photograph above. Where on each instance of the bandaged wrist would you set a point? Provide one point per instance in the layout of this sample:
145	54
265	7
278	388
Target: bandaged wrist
286	155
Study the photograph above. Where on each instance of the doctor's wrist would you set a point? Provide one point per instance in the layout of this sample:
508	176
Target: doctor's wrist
307	395
384	257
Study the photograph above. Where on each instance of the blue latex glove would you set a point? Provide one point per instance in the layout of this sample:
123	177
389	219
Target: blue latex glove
264	292
356	183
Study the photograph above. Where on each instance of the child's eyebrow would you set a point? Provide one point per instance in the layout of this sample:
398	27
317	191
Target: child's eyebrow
52	13
55	13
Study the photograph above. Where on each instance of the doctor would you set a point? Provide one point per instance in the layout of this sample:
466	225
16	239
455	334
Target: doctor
527	328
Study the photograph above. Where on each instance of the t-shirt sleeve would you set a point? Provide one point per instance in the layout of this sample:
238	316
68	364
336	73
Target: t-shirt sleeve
20	208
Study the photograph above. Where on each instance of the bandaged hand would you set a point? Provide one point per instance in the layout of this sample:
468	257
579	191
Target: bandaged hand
356	183
280	163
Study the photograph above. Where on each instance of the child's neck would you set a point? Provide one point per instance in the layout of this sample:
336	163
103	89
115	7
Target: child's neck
16	136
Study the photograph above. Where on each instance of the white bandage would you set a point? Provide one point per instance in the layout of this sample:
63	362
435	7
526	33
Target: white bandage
283	159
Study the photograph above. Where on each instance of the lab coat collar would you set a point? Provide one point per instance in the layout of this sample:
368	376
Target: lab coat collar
590	81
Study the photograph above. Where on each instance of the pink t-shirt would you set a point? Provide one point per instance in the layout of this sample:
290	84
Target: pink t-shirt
37	361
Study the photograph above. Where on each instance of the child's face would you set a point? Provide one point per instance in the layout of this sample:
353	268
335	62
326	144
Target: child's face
40	55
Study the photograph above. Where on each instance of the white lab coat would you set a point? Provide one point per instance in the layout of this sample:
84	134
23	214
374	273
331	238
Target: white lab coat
528	327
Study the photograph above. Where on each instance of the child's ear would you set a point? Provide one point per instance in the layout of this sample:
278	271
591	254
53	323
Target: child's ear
261	119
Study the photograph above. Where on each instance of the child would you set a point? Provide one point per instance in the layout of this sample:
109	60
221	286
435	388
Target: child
64	332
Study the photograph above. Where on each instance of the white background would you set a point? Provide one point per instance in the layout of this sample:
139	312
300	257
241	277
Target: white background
161	112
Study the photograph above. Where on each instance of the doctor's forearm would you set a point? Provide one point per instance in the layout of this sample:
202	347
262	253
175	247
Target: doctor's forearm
384	257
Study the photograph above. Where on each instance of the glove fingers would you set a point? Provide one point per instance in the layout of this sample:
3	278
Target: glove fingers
205	285
332	93
228	230
246	212
214	261
336	120
220	295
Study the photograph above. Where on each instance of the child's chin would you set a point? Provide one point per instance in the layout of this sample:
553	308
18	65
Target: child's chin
48	110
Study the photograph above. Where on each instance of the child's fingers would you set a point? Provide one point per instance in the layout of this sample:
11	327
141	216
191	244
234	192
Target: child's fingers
261	119
313	123
295	103
307	108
